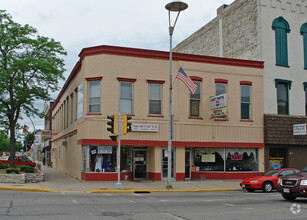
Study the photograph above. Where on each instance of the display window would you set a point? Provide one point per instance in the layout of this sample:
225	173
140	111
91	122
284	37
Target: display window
226	159
104	159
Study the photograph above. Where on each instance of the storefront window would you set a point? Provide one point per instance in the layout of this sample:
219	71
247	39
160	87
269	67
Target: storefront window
103	159
209	159
237	159
241	159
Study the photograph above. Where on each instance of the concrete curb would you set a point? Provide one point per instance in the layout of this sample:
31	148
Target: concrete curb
116	191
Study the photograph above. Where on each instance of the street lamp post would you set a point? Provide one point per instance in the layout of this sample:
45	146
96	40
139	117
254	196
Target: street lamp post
174	6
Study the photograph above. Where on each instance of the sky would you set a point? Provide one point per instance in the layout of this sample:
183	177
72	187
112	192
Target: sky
78	24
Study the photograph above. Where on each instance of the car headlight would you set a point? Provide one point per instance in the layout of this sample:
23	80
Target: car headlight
254	181
303	183
279	181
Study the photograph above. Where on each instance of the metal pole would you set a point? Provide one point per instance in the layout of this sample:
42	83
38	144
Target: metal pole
118	184
169	159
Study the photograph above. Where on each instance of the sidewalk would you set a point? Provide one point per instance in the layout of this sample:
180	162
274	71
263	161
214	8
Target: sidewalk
56	181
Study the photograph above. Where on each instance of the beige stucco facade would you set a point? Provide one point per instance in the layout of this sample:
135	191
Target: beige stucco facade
112	65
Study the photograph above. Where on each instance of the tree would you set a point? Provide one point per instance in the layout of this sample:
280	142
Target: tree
30	68
29	140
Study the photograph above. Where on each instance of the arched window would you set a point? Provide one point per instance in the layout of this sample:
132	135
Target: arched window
281	28
304	33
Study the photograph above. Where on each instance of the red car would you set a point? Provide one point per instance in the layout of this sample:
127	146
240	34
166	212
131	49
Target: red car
266	181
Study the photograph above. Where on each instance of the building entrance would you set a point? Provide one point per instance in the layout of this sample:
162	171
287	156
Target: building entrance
139	164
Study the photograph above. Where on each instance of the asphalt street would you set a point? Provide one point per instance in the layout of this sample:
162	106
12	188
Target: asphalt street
174	206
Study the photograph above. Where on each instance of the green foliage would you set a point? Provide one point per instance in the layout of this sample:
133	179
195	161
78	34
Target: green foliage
4	142
4	166
30	68
12	171
29	170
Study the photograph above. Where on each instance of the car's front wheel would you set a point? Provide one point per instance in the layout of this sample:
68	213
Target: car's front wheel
267	187
288	197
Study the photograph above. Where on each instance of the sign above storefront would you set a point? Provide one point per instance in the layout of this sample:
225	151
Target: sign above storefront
145	127
299	129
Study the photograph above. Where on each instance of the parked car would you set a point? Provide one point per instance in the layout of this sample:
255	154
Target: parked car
293	186
266	181
20	160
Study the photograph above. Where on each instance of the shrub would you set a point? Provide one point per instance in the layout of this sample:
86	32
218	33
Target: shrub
29	170
4	166
12	171
23	167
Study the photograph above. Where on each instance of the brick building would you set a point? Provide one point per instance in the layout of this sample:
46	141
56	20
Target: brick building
107	79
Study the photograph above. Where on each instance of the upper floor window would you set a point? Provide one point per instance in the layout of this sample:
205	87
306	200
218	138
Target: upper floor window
155	99
281	28
126	97
195	101
94	97
220	88
283	87
304	33
245	100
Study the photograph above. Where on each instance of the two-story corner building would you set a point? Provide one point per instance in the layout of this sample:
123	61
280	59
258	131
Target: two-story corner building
136	81
273	31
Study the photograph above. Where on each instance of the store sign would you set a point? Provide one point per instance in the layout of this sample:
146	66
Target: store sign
218	106
219	112
299	129
236	157
145	127
104	150
218	101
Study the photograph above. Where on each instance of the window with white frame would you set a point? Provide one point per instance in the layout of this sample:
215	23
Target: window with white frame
126	97
94	97
195	101
245	102
155	96
220	88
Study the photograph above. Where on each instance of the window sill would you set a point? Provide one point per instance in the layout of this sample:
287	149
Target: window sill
196	118
156	116
93	114
247	120
283	65
221	119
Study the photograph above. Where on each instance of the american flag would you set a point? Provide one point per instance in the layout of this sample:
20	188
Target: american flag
186	80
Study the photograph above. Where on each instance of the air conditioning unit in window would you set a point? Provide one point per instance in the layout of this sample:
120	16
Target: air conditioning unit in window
64	143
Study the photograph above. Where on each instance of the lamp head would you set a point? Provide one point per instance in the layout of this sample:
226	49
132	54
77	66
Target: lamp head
176	6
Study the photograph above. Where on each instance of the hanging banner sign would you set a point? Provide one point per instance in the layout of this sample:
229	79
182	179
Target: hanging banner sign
218	101
219	112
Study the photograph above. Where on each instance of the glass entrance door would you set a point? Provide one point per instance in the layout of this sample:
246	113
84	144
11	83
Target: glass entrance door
165	163
187	164
139	164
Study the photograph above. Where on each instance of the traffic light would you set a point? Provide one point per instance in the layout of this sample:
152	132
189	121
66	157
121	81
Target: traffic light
112	123
127	125
114	137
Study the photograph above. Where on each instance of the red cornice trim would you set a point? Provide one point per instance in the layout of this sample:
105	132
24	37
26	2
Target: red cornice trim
93	78
196	78
66	135
126	79
154	54
165	143
221	81
246	83
155	81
